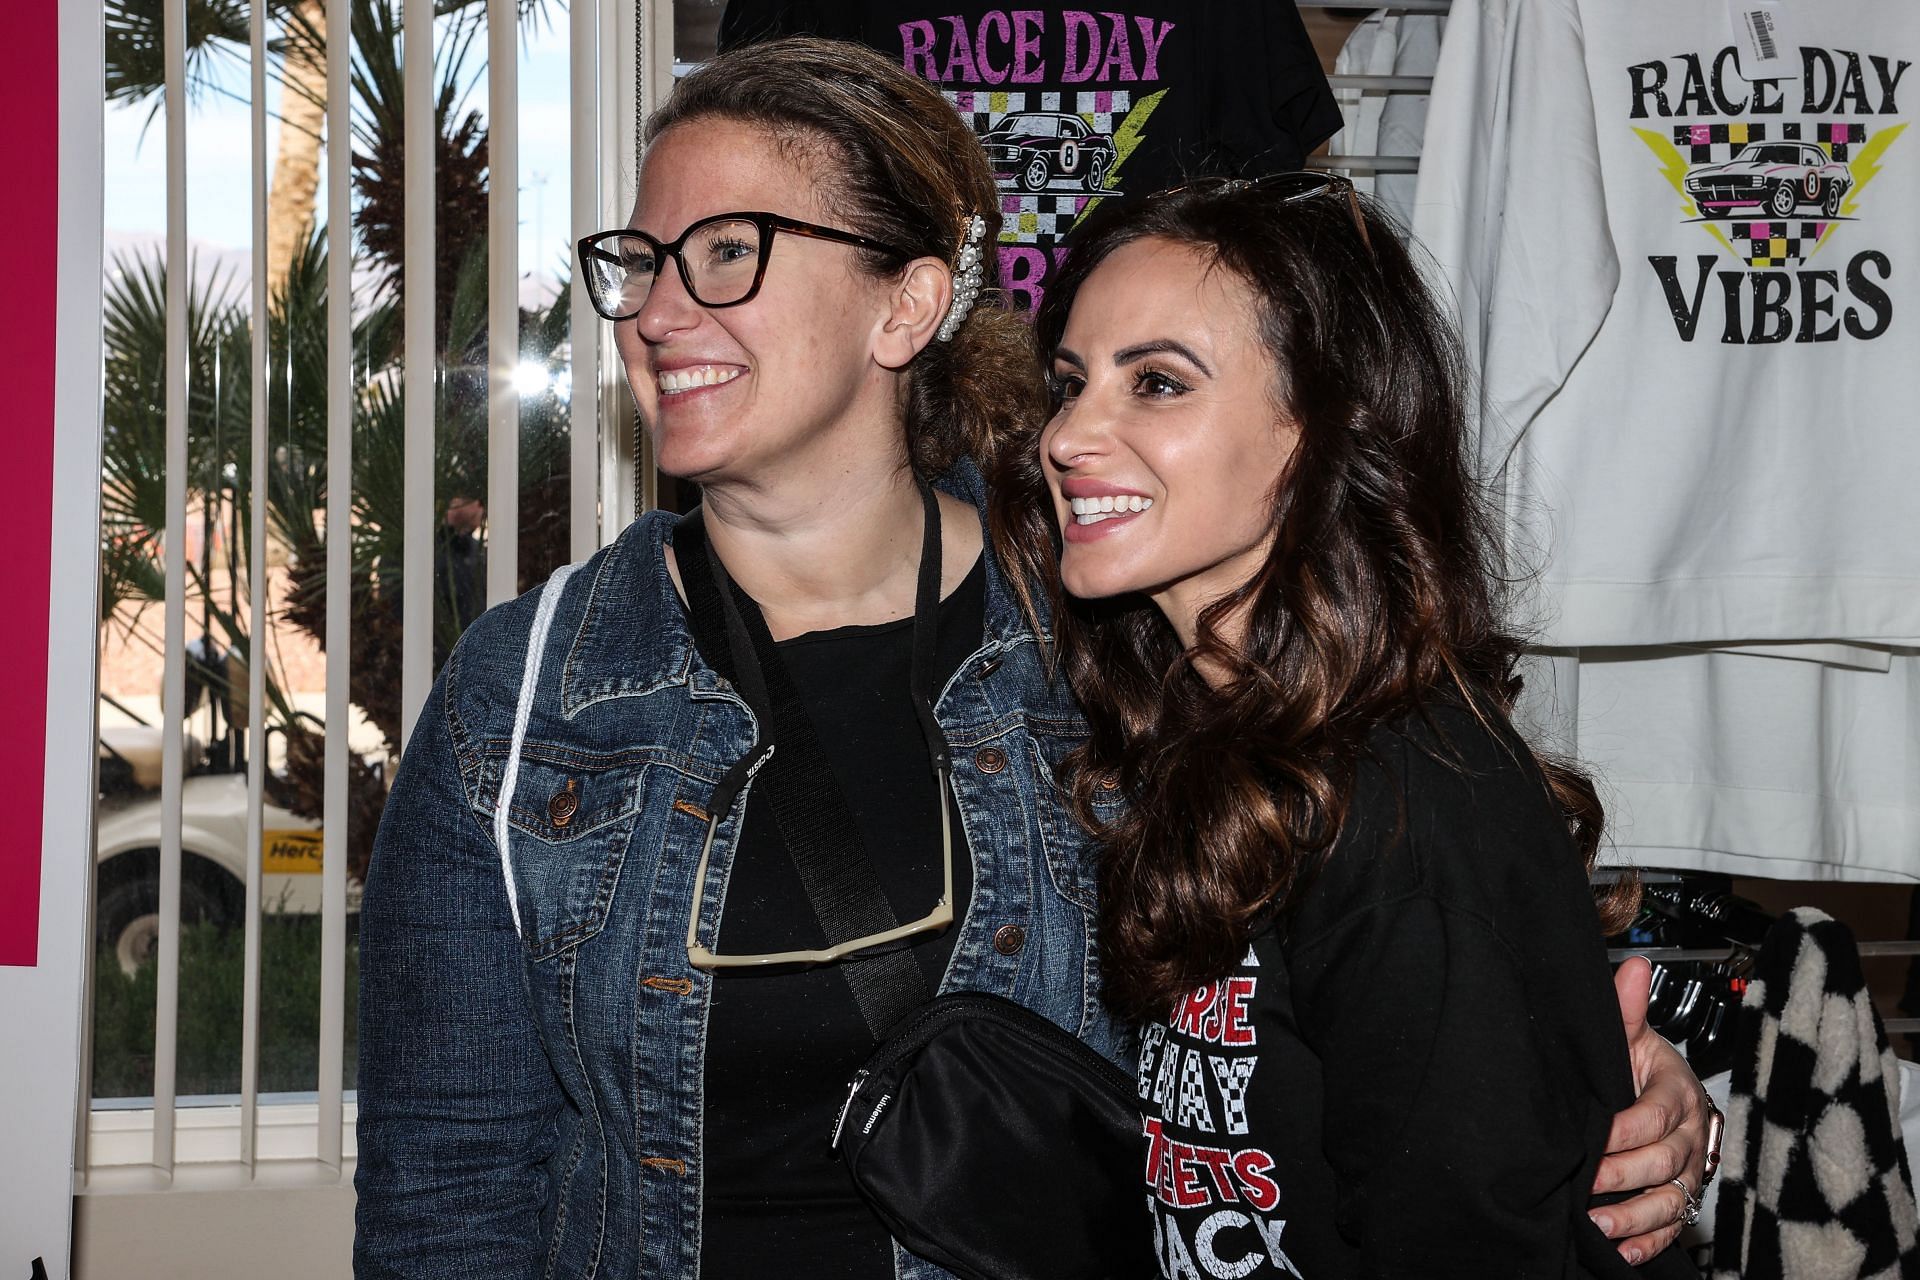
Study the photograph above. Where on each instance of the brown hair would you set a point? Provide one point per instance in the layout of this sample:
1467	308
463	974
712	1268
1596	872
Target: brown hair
896	164
1380	596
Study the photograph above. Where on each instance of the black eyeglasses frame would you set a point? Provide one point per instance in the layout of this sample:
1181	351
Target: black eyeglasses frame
766	223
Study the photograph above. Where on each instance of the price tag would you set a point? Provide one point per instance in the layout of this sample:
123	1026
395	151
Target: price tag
1762	31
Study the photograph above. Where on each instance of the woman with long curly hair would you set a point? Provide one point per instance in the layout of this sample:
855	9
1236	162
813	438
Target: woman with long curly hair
1349	904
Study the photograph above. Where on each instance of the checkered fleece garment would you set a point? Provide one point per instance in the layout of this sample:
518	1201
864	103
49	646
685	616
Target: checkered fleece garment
1816	1182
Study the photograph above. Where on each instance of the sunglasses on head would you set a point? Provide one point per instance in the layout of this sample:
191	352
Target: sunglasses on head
1289	187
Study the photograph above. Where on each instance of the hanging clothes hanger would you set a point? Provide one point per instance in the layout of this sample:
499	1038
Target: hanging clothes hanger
1694	1001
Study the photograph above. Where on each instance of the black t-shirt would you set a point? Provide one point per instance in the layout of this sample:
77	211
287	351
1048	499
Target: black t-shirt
1076	105
781	1049
1414	1073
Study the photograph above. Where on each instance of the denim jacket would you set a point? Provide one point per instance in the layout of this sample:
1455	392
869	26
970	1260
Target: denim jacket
531	1036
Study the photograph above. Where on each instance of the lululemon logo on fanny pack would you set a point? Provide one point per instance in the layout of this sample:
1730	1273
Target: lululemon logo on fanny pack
874	1119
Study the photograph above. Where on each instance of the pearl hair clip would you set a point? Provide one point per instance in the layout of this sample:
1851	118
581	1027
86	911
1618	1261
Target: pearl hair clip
968	274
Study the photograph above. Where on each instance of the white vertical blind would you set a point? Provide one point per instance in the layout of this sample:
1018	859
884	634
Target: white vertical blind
503	300
628	36
418	284
646	86
257	600
616	110
583	29
173	686
333	865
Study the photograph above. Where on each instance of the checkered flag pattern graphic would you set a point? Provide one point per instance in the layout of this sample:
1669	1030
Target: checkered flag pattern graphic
1236	1110
1711	144
1816	1183
1718	143
1715	143
1039	217
1775	244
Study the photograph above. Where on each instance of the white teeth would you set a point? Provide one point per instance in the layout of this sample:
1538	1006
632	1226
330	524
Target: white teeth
704	375
1094	510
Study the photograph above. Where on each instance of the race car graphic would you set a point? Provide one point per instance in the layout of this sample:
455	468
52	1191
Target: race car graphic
1034	150
1777	176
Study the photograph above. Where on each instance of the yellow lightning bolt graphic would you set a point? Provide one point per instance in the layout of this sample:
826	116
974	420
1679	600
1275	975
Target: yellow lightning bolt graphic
1864	169
1866	166
1125	139
1674	166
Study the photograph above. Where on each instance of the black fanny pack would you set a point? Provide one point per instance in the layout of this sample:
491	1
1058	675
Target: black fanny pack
1000	1147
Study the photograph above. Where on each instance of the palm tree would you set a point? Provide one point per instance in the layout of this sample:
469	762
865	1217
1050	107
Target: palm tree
303	113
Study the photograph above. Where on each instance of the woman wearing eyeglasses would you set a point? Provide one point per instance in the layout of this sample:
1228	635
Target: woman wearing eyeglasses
681	834
1348	904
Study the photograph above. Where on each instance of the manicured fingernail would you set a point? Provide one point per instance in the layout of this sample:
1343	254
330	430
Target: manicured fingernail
1603	1222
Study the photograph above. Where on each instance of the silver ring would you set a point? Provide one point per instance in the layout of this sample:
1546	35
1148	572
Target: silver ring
1690	1211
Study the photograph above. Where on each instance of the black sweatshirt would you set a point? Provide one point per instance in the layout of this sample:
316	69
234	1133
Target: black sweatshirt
1413	1074
1076	105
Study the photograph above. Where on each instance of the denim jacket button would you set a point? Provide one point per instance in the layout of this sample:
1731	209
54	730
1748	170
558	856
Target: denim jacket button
990	760
1009	938
563	806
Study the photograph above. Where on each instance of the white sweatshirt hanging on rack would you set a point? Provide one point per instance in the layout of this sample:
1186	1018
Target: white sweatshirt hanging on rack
1386	122
1723	761
1693	300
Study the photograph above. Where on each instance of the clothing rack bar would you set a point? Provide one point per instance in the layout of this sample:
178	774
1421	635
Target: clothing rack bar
1405	6
1366	164
1382	84
1673	955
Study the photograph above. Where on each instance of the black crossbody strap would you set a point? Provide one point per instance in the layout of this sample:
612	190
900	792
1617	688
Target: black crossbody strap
818	827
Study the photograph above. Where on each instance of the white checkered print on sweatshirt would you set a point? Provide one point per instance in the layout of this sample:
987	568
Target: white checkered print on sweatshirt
1816	1178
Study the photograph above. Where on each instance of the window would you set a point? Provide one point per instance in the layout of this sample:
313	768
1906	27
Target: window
303	481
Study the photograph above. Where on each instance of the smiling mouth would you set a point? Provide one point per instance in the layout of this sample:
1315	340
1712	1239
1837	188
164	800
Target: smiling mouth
1094	510
674	382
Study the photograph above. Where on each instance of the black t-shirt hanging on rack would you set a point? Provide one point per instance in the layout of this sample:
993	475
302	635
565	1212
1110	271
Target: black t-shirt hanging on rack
1079	105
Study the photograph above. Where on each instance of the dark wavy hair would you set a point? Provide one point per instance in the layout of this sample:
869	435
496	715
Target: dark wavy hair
1381	595
898	165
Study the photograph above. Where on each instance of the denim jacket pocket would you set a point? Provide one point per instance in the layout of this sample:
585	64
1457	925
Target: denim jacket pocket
569	825
1072	854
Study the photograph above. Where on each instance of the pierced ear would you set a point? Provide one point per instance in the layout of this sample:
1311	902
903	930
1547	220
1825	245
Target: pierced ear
919	304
